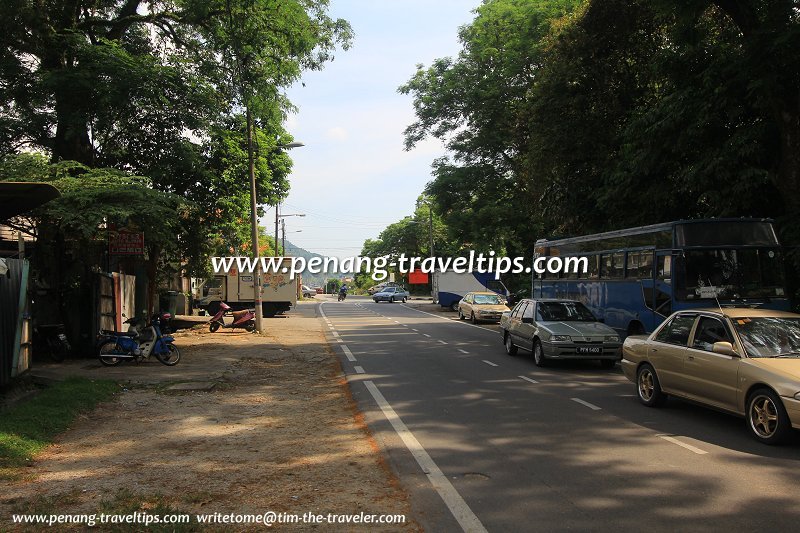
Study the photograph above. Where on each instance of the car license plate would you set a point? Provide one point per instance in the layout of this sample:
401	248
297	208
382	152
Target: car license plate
589	349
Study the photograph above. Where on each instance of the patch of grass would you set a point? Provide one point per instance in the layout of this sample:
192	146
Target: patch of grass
26	429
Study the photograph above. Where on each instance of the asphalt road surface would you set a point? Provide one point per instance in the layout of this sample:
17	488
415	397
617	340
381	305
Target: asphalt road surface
488	442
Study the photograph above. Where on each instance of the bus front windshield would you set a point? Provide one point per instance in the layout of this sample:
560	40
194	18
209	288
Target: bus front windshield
731	273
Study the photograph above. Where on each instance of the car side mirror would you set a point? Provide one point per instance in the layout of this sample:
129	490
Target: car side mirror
527	320
725	348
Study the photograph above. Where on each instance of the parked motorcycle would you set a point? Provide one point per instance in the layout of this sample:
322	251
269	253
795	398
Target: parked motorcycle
50	340
241	319
138	343
217	321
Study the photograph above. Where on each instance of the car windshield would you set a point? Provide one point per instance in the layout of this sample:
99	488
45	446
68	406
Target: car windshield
564	312
488	299
769	336
388	289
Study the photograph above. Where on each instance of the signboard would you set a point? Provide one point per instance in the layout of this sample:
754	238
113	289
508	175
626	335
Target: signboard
417	277
125	241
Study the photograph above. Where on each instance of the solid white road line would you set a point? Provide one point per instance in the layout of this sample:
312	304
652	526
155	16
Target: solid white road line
526	378
689	447
348	353
587	404
461	511
489	363
358	369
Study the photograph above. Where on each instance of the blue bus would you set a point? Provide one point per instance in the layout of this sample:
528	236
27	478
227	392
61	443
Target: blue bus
637	277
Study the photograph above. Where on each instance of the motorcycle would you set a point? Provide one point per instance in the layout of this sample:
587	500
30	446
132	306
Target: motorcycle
50	339
241	319
217	321
342	296
138	345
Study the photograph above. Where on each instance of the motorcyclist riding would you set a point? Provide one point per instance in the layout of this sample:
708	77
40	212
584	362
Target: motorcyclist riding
343	292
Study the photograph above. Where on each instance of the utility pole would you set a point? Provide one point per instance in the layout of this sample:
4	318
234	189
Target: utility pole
254	222
277	217
283	241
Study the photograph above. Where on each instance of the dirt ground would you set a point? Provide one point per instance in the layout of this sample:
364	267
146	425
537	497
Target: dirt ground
278	432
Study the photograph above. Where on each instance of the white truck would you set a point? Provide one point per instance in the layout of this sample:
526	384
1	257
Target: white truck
278	292
449	287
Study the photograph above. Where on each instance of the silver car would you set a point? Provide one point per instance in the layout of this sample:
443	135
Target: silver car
391	294
559	329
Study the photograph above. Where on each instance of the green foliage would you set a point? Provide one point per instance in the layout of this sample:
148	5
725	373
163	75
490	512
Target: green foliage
579	116
158	89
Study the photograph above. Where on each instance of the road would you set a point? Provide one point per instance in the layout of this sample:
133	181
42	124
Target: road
488	442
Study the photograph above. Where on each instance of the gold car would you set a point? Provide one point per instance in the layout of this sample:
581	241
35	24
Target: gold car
482	306
740	360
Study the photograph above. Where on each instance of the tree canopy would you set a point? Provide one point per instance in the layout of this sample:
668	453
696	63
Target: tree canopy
159	88
577	116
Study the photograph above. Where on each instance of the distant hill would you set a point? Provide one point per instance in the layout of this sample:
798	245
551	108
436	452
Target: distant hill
312	280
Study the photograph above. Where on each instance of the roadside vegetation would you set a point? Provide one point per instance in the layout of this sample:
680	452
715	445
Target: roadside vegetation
569	117
27	428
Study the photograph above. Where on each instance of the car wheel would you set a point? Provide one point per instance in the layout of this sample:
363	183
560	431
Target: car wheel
472	318
510	348
766	417
648	387
391	300
538	353
404	299
460	314
608	363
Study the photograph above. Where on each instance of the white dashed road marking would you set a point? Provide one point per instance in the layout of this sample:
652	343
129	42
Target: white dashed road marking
587	404
348	353
489	363
689	447
462	351
358	370
528	379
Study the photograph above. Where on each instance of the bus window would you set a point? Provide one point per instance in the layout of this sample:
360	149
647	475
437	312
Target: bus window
640	265
612	265
593	272
664	268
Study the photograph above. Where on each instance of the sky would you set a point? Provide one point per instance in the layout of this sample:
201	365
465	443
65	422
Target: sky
353	177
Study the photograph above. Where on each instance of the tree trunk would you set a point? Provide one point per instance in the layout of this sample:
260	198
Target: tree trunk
72	140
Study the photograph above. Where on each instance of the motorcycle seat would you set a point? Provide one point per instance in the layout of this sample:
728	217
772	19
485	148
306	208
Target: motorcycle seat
239	314
118	333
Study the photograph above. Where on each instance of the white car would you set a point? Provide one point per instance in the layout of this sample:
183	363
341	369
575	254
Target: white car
308	292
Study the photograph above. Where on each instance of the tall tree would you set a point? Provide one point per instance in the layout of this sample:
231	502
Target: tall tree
473	103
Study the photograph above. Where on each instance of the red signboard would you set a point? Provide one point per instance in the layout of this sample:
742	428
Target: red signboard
123	241
417	277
